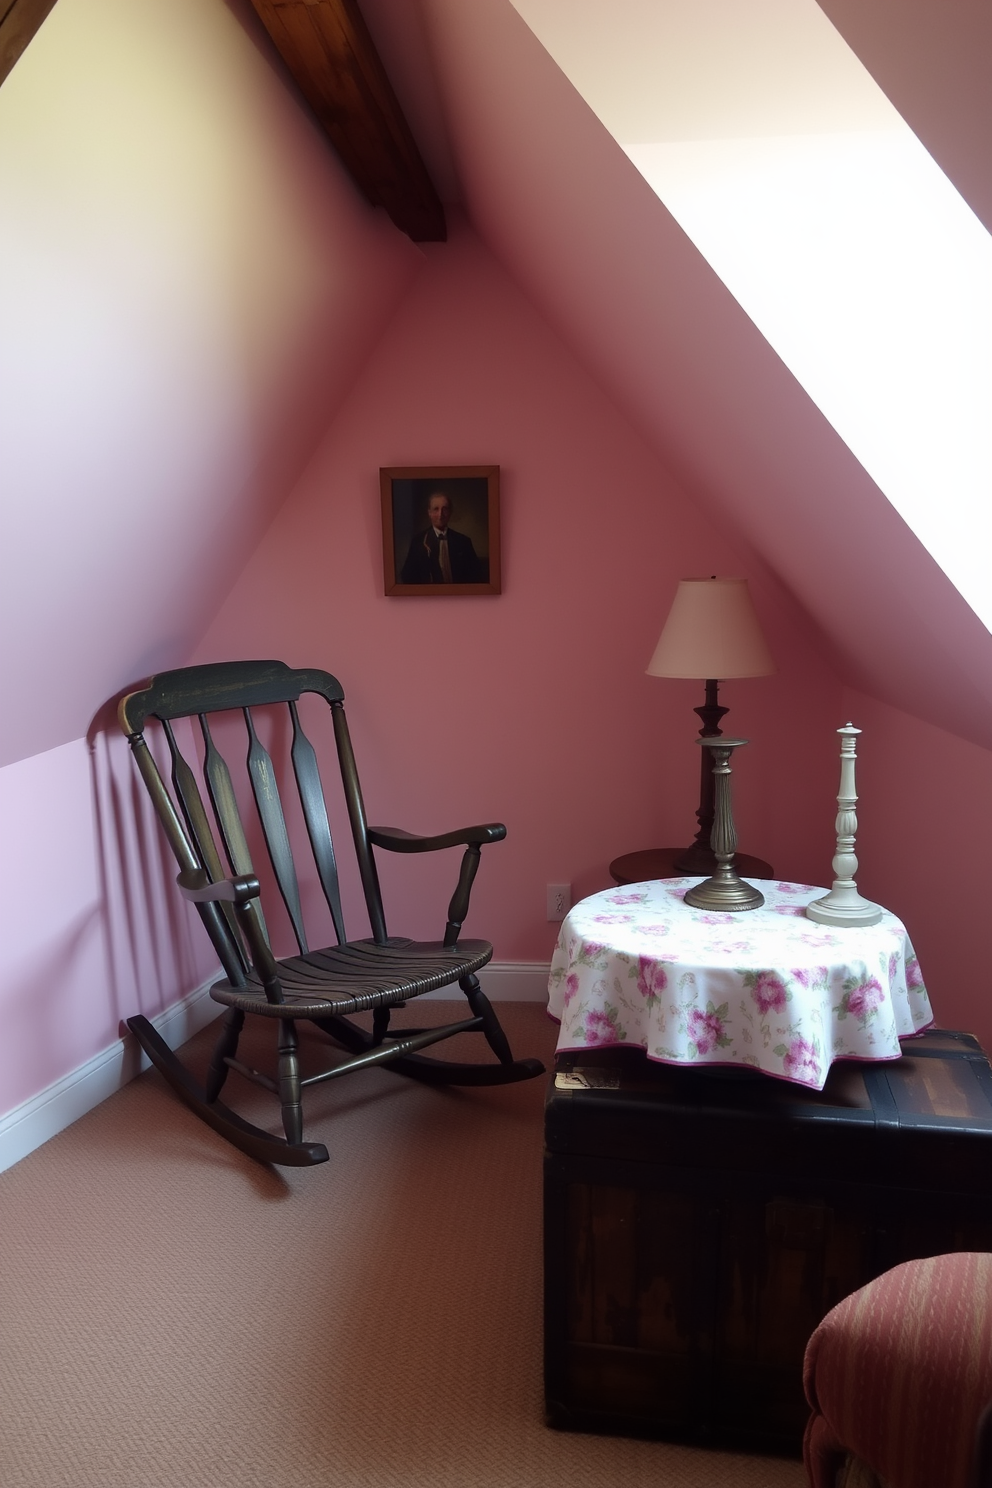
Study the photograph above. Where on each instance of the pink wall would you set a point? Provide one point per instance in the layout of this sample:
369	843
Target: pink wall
532	707
52	942
92	927
923	813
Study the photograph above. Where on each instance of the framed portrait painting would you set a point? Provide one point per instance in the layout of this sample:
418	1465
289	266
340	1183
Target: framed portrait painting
440	529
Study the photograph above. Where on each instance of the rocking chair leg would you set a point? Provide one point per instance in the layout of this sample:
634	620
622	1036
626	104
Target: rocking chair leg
227	1047
380	1024
289	1081
491	1026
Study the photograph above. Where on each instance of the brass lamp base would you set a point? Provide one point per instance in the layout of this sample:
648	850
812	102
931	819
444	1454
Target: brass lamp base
724	890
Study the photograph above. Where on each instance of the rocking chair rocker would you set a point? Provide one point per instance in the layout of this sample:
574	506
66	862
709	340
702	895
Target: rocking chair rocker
325	986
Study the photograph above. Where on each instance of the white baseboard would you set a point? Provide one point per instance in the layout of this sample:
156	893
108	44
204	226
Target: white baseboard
508	981
31	1124
516	981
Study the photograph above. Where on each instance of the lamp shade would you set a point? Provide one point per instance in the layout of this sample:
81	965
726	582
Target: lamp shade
711	631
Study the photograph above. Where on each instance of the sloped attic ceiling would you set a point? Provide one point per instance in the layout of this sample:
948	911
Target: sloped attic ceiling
557	200
807	192
932	58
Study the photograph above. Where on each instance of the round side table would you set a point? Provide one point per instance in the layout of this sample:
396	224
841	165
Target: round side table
659	862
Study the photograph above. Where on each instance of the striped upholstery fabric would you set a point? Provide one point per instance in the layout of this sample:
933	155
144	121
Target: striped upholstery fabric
899	1373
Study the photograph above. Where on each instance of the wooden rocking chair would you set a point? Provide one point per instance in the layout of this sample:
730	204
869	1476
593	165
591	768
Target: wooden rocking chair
324	986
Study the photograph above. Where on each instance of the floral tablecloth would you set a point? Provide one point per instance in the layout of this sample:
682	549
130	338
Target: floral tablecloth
766	988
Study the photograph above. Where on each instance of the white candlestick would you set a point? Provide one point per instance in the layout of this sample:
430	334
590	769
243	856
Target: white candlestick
844	905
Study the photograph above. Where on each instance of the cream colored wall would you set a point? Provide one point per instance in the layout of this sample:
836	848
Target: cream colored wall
188	282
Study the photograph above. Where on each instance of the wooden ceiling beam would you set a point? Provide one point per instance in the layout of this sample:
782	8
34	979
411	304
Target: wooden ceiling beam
19	20
330	53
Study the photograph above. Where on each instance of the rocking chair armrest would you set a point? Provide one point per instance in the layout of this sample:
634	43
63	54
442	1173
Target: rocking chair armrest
395	840
471	838
196	886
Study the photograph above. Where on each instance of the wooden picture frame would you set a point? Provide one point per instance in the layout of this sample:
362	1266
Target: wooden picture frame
415	562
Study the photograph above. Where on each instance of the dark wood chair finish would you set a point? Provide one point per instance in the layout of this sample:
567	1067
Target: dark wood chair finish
217	874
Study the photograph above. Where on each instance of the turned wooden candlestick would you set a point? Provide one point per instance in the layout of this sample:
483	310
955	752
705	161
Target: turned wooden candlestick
844	905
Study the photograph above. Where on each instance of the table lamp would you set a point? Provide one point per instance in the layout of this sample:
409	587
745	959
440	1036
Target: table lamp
711	633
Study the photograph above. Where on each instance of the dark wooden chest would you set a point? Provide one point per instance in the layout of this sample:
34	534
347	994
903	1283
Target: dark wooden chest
699	1225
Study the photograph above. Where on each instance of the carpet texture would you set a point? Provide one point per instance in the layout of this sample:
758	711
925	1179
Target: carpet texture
171	1313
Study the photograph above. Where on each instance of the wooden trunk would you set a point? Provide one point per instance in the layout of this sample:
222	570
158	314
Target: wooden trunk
699	1225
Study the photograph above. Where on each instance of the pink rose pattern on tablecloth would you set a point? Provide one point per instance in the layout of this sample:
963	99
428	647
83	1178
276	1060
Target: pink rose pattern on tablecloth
652	979
706	1031
862	999
768	991
800	1062
602	1026
768	988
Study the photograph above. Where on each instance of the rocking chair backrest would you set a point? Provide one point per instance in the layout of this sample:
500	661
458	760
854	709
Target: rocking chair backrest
220	847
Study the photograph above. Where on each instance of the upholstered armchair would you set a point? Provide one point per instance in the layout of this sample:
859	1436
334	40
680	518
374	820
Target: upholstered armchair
899	1378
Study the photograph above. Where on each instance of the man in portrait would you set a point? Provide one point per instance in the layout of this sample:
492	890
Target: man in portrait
439	554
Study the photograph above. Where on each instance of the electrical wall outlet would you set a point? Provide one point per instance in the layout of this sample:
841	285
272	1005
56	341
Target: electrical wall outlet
559	900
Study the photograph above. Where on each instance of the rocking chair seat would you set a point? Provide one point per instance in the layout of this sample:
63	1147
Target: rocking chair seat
357	976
